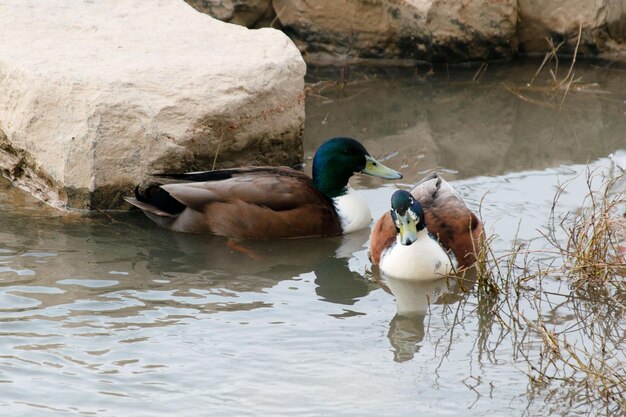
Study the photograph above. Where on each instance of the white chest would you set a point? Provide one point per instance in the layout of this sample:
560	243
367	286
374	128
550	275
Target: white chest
425	259
353	211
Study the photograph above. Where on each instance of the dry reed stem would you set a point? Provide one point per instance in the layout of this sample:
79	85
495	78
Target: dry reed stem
569	78
480	72
217	151
558	88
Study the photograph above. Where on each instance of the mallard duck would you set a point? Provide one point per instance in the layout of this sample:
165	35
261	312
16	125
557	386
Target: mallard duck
268	202
428	233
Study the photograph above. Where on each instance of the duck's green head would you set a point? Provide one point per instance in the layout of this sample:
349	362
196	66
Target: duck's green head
408	216
340	158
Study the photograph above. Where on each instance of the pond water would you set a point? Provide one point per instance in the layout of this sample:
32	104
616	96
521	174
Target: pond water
111	316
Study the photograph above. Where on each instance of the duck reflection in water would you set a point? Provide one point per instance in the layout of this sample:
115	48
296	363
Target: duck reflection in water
413	303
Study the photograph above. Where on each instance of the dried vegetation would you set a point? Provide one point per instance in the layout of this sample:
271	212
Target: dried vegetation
563	304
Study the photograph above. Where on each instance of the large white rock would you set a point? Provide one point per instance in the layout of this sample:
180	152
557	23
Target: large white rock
96	95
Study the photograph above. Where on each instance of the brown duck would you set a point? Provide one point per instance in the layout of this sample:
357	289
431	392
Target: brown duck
267	202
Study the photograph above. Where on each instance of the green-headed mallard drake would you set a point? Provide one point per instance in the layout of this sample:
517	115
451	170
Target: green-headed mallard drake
428	233
268	202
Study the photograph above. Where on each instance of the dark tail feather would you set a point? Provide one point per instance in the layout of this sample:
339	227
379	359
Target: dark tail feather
159	198
199	176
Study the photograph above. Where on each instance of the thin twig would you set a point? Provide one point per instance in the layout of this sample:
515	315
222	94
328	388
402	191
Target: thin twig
217	151
570	74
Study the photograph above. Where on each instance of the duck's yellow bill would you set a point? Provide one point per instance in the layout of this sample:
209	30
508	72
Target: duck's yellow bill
407	227
376	169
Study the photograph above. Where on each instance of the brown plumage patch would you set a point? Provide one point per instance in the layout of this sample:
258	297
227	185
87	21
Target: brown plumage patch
383	235
242	220
457	228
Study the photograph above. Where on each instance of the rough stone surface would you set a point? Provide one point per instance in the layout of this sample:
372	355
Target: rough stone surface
249	13
332	31
95	96
431	30
616	20
603	24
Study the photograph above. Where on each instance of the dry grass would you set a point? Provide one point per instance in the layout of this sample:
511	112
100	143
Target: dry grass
554	89
573	341
591	253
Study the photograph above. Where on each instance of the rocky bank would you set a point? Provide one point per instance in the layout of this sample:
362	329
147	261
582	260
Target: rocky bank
332	31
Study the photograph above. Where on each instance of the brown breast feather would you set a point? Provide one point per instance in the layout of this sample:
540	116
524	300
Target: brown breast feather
383	235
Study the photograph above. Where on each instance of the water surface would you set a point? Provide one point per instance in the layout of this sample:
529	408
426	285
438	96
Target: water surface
111	316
